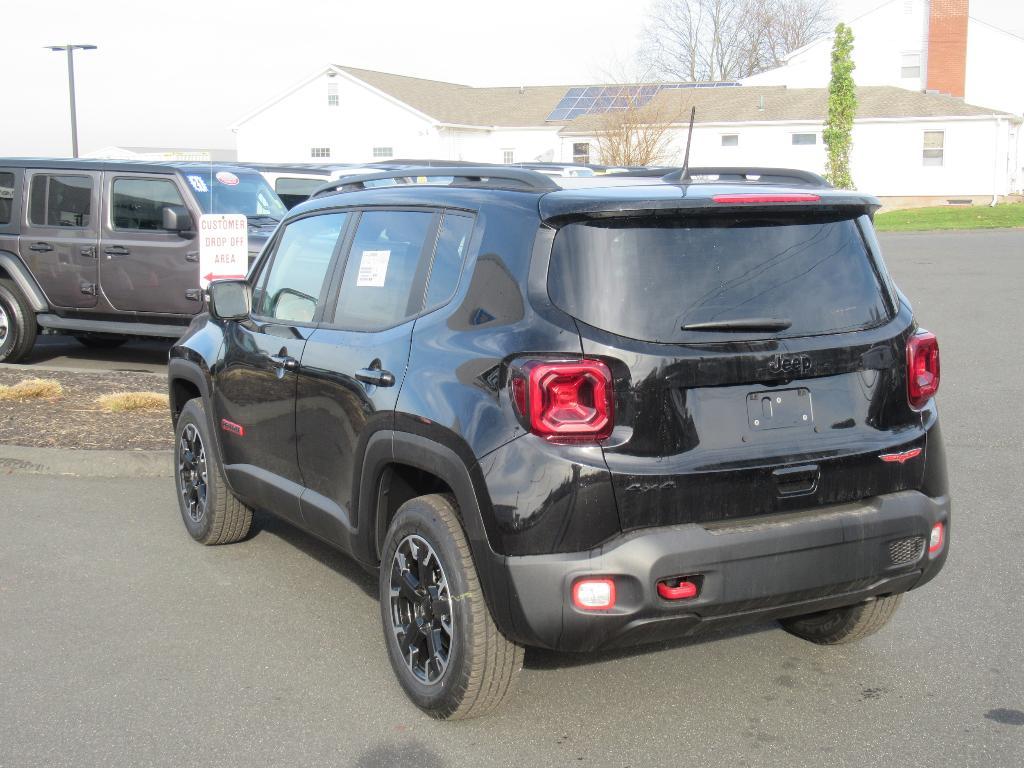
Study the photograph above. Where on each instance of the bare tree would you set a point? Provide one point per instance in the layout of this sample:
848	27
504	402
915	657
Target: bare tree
706	40
637	135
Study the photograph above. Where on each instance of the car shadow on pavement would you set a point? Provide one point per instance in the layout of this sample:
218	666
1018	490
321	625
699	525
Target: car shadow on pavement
323	553
541	658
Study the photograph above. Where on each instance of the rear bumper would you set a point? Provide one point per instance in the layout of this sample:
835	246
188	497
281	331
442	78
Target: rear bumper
750	569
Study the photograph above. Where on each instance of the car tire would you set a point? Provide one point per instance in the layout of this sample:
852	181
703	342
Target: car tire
100	341
18	326
473	666
210	511
844	625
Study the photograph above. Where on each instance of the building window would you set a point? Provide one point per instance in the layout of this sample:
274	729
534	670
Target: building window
933	147
383	152
911	66
803	139
730	139
508	156
332	94
319	151
581	153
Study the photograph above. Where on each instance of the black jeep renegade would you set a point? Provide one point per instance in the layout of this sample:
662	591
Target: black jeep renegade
595	413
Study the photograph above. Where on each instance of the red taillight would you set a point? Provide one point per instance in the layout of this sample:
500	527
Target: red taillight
922	368
594	594
566	400
800	197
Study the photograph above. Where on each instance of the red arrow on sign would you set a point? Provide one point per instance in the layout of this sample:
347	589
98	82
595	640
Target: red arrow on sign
212	276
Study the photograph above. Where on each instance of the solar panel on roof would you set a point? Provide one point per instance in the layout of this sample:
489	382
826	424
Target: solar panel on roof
598	99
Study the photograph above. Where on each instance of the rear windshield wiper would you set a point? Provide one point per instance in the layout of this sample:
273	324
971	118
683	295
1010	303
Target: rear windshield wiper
746	324
262	217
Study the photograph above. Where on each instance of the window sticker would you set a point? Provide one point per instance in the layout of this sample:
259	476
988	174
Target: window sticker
198	184
373	268
227	178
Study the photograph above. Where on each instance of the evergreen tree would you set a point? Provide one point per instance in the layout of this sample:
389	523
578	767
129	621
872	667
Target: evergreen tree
842	108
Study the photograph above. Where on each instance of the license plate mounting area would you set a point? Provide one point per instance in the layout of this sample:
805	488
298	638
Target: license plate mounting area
780	409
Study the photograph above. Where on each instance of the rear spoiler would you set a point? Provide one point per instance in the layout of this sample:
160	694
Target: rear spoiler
573	205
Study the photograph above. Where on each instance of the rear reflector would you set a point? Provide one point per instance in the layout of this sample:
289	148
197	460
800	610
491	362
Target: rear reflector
565	401
937	539
741	199
677	589
594	594
922	368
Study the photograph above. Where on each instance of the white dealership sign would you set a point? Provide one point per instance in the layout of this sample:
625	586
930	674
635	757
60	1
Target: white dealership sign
223	247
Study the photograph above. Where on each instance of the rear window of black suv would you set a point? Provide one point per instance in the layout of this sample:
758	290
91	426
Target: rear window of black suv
648	278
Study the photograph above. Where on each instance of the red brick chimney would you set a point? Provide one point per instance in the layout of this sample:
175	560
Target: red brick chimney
947	46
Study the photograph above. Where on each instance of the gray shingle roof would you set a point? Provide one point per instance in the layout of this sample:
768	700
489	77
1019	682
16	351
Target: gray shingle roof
530	105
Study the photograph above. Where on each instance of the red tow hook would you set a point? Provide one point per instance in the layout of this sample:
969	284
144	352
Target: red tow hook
677	589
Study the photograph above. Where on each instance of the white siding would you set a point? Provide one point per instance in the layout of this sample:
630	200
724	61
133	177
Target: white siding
285	131
886	159
993	68
880	38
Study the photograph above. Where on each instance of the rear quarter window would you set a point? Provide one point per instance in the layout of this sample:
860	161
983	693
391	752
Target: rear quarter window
647	278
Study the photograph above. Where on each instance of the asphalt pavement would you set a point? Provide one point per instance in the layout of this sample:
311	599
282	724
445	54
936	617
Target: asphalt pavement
124	643
61	351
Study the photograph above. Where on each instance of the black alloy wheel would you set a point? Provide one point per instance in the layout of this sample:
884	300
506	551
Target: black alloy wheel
192	473
422	616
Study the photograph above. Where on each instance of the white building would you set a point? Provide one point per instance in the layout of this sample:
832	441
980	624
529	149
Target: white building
920	45
906	143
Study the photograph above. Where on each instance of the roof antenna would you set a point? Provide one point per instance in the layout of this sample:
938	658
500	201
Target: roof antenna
684	174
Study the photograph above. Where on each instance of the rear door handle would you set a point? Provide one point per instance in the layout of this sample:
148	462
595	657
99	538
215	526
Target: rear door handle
284	362
116	250
40	247
376	376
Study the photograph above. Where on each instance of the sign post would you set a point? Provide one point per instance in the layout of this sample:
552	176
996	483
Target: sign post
223	247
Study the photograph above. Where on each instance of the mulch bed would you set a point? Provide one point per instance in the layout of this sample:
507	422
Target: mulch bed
74	420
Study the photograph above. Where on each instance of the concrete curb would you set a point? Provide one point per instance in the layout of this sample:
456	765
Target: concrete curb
22	460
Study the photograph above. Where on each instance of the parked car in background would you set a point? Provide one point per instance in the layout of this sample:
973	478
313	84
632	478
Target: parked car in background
106	250
295	182
574	413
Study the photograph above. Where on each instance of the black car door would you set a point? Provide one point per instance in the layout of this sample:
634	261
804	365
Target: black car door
355	362
255	385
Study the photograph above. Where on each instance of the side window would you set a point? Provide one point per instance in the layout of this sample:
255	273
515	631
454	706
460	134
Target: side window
60	201
291	289
378	289
139	203
294	190
452	241
6	196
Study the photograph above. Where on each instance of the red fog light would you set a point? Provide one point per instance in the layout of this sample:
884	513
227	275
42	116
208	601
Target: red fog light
937	539
594	594
922	368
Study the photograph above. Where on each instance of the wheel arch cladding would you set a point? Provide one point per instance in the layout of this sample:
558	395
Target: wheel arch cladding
13	269
403	453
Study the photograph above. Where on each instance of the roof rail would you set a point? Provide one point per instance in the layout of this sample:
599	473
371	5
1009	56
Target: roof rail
787	176
474	176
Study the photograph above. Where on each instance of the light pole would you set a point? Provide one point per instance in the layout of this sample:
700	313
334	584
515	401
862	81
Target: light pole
71	48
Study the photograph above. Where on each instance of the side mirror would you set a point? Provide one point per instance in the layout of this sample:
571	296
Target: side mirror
230	299
176	219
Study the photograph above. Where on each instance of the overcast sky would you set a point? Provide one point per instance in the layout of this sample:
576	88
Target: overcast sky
176	74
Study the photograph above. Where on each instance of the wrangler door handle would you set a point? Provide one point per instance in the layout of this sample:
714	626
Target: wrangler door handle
284	362
376	376
116	250
40	247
